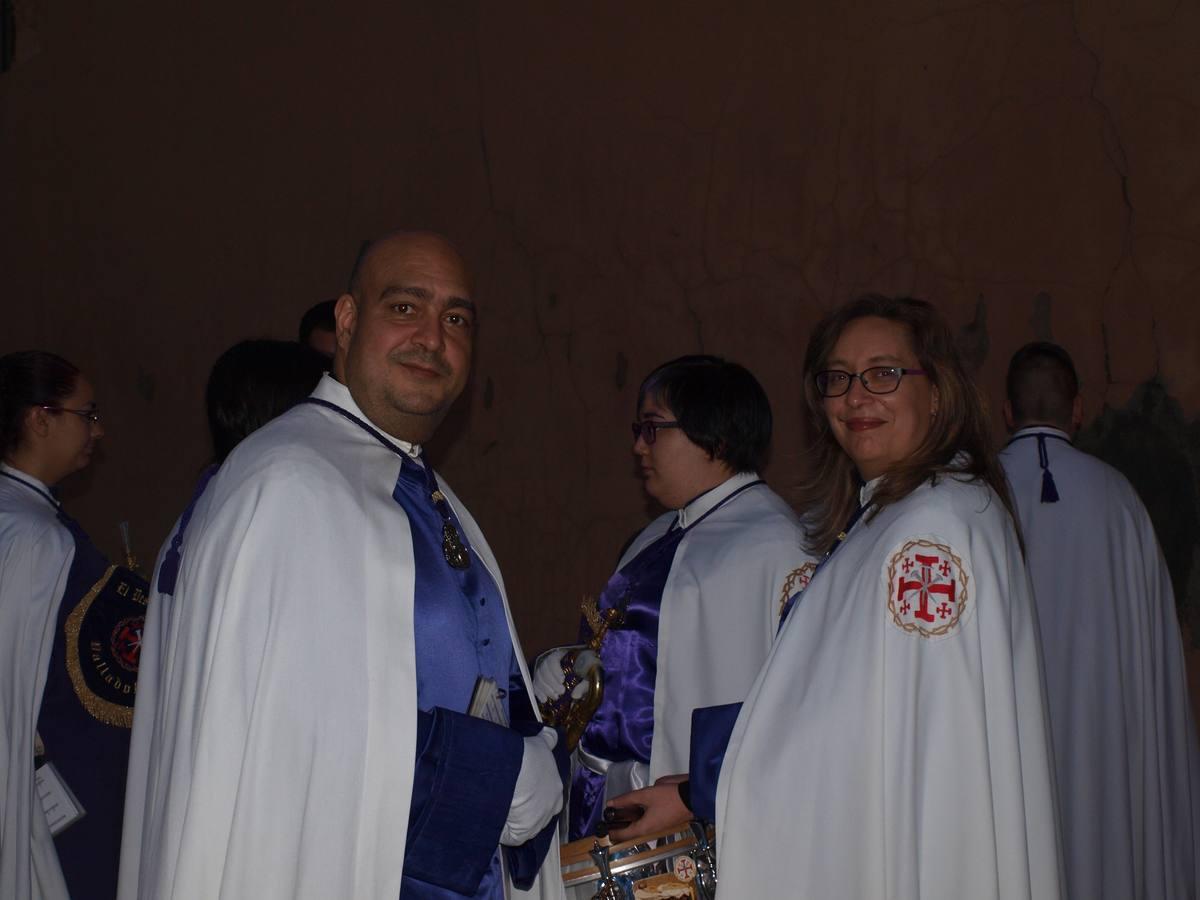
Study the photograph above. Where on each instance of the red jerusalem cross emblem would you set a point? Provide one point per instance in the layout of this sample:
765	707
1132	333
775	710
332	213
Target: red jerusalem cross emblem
927	588
795	583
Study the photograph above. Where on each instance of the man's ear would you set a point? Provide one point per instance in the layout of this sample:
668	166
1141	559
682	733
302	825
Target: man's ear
1077	413
1009	422
345	317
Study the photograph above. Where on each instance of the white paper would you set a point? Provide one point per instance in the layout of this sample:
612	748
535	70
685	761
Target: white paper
485	702
61	807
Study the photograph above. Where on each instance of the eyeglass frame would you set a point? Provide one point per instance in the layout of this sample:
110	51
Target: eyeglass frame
92	416
647	430
860	376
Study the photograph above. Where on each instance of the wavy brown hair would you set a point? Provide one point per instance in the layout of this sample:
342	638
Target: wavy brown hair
830	495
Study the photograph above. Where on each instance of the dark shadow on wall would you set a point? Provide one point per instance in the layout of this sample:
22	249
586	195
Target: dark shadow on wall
8	35
1158	450
19	39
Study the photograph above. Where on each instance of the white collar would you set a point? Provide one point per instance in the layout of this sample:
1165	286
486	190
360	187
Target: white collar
29	480
1041	429
865	492
710	498
333	391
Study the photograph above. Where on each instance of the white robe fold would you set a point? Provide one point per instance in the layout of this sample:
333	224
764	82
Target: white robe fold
36	551
283	730
873	761
1124	736
720	608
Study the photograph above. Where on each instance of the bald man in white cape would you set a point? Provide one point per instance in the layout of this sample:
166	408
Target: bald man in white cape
290	750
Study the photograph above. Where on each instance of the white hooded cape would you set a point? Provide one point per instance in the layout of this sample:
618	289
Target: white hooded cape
36	551
871	761
720	609
282	729
1124	736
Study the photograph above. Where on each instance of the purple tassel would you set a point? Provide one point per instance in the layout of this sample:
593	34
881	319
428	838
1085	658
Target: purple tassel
1049	488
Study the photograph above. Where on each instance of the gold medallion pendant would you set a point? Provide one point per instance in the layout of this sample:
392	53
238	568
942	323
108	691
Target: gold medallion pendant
452	548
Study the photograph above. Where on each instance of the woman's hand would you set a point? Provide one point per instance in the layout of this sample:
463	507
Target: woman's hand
663	808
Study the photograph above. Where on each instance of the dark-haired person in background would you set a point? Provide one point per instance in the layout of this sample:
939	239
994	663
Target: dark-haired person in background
253	382
70	626
896	742
318	327
250	384
694	604
1124	737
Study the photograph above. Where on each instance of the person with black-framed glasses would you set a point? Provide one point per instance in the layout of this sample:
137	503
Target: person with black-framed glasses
70	628
690	613
895	743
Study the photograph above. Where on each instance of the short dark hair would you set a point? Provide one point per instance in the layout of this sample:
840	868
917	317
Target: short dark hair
30	378
319	316
253	382
1042	384
719	405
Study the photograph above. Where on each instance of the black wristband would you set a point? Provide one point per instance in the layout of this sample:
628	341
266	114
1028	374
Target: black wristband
685	794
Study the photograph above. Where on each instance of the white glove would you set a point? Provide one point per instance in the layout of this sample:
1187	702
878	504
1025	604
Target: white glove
538	796
549	678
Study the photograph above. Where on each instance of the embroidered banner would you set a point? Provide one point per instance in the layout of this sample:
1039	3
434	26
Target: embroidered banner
104	643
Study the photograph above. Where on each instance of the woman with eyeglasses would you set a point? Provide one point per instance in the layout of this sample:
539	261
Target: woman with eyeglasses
895	743
691	611
70	628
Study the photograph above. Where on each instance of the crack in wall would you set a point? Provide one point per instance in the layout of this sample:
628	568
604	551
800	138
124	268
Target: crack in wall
1108	376
1114	151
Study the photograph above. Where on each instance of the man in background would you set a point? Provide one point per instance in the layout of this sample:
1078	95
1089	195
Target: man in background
1124	738
317	328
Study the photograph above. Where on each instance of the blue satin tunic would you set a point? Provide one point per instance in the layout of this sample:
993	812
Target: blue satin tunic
461	634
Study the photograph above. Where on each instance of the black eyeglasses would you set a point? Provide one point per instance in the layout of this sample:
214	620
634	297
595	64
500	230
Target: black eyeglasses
648	430
877	380
91	415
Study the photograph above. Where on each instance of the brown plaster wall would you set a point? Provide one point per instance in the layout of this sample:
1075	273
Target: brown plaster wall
631	182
